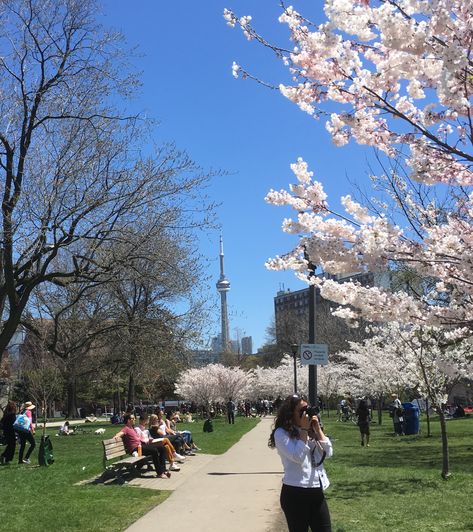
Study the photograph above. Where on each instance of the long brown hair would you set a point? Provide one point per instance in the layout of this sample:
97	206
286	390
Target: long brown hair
284	418
10	408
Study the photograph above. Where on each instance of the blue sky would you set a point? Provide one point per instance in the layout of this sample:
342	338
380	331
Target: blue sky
241	127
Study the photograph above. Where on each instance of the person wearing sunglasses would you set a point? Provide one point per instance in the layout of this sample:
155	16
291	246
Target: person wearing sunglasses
303	447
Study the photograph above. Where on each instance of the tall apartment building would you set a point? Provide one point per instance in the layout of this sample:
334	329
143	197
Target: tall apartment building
247	345
291	312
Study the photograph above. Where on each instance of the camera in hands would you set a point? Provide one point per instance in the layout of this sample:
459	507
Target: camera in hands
310	411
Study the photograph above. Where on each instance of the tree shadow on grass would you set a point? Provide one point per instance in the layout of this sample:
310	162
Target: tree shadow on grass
410	452
359	490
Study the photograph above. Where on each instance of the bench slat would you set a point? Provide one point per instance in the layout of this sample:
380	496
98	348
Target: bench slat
112	448
111	456
114	443
116	449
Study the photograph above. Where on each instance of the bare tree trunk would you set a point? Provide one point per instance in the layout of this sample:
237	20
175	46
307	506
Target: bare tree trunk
445	454
380	409
45	414
119	398
131	389
71	397
429	433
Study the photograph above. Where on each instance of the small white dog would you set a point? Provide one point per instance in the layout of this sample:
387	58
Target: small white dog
100	431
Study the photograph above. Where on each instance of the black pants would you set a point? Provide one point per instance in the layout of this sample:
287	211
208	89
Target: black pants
177	442
398	428
231	417
9	451
158	454
25	437
304	508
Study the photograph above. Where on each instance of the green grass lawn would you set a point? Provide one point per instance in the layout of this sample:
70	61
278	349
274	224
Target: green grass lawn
395	484
47	499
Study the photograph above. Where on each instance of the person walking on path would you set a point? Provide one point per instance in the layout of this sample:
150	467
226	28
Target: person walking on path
8	419
364	418
231	411
27	436
132	442
302	446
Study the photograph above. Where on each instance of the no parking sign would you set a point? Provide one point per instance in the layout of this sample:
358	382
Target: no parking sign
316	354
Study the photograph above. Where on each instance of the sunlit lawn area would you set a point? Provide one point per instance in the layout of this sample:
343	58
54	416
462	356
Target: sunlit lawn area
395	484
47	499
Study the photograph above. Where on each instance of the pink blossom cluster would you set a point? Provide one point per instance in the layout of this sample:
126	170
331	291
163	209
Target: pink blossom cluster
408	59
398	76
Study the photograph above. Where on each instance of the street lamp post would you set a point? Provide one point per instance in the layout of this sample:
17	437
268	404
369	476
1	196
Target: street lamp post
313	397
295	349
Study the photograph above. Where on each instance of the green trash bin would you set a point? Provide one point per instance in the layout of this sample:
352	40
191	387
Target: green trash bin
45	455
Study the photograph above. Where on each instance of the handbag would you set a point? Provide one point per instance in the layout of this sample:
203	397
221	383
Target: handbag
22	423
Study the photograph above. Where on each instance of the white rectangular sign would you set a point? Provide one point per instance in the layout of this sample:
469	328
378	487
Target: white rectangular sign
316	354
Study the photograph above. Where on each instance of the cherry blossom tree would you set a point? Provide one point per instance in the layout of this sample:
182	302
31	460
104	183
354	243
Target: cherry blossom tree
231	382
197	385
212	383
375	370
279	381
396	76
332	381
416	357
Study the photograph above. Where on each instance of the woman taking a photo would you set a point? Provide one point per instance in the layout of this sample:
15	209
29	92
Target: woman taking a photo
303	447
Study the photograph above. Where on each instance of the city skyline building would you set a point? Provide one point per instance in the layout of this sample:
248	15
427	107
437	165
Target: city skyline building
223	286
247	345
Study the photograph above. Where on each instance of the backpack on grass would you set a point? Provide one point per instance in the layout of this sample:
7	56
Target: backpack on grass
208	426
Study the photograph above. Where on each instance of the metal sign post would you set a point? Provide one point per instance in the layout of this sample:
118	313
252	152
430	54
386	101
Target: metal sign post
312	326
314	354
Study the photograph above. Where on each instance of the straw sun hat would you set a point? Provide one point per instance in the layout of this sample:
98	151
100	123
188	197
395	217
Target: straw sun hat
29	405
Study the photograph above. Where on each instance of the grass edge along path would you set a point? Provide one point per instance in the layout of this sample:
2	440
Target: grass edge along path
48	499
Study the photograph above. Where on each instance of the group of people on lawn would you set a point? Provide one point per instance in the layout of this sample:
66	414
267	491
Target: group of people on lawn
158	437
24	436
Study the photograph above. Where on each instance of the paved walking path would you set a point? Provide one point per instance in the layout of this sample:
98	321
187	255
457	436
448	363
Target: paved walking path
236	491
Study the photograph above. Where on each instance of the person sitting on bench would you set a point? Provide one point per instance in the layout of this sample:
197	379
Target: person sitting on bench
132	443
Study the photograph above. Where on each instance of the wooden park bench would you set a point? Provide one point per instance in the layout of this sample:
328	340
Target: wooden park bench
113	449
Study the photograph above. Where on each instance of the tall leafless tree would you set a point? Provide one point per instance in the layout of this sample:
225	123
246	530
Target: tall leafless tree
72	175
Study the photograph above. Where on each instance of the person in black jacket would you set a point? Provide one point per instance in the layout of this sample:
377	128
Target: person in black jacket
8	419
364	419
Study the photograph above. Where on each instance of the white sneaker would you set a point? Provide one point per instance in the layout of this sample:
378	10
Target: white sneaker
174	467
179	457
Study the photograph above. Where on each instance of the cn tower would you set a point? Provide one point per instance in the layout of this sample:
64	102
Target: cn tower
223	286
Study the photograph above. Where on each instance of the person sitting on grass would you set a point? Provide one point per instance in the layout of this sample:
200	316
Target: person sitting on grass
66	430
132	443
145	436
